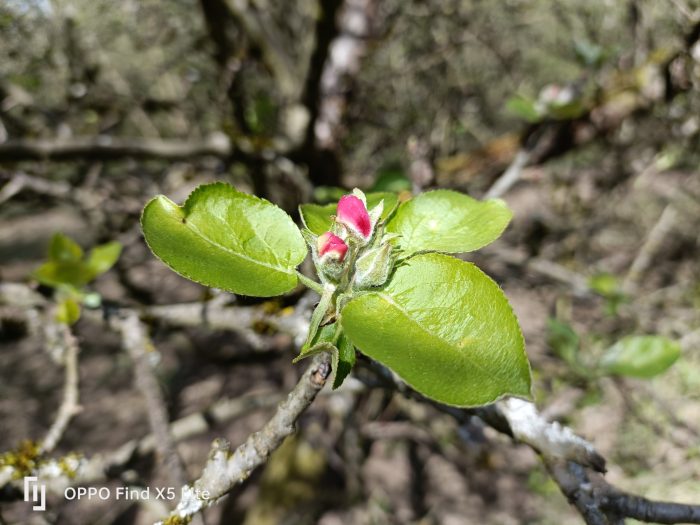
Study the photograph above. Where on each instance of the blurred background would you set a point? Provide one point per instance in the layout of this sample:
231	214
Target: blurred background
583	116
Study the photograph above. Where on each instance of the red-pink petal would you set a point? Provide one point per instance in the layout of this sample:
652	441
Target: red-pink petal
331	245
353	214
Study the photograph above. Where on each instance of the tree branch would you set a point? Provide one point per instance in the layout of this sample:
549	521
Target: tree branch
140	349
573	462
69	406
550	439
600	503
264	37
653	243
223	470
107	147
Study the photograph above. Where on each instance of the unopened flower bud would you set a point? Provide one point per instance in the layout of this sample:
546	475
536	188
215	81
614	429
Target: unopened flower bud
330	246
352	213
373	267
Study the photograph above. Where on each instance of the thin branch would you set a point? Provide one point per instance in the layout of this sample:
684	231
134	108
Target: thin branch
225	469
69	406
550	439
258	28
510	176
140	349
106	147
342	32
651	247
578	282
21	181
572	461
600	503
98	467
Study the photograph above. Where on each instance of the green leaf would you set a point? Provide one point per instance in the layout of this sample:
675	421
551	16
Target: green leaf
64	249
66	265
563	340
523	108
391	178
326	194
446	328
609	287
343	360
68	311
589	53
226	239
319	218
55	274
323	341
448	221
605	284
103	257
570	110
641	356
317	317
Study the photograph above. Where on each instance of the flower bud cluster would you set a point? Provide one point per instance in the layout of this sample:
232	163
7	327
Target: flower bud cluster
355	251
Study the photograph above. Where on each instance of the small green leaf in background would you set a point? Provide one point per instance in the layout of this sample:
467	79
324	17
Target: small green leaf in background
64	249
605	284
589	53
68	267
68	311
66	273
608	286
319	218
447	221
328	194
523	108
391	178
64	265
226	239
567	111
563	340
642	356
444	327
103	257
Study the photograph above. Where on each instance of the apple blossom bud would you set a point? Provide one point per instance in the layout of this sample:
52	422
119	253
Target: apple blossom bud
352	213
330	246
373	267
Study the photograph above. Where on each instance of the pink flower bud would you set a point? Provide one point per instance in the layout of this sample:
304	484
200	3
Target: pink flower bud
330	246
352	213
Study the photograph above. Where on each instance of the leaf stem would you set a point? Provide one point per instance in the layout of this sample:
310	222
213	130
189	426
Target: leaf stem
310	283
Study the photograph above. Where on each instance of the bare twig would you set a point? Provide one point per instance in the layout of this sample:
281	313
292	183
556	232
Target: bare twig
572	461
549	269
510	176
69	406
239	319
97	467
225	469
141	350
549	438
343	64
342	33
259	29
600	503
106	147
21	181
650	248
